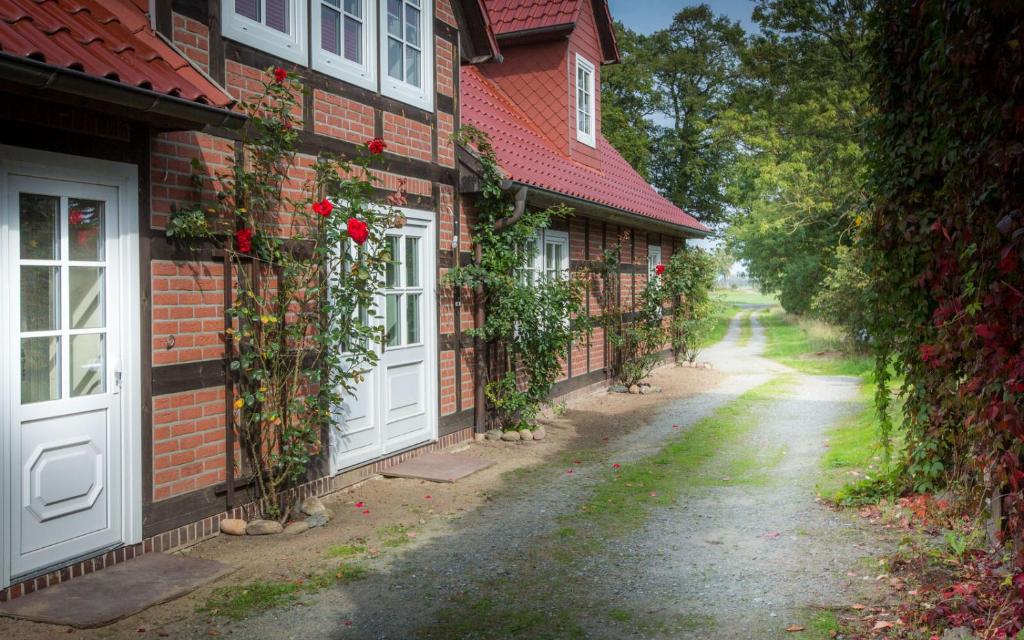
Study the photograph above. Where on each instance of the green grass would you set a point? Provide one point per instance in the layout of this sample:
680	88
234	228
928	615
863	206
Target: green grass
239	601
744	296
394	535
810	346
746	328
345	550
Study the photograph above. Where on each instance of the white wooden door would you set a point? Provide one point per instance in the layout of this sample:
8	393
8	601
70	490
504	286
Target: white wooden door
395	405
65	465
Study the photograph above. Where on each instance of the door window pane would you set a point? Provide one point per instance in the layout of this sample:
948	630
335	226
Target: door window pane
85	230
86	298
40	298
37	226
391	270
412	262
40	369
412	318
88	364
391	319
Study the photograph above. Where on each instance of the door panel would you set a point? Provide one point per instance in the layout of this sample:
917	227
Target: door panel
66	473
395	406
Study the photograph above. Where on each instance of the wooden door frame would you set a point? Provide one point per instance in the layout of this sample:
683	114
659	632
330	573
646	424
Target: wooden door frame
125	178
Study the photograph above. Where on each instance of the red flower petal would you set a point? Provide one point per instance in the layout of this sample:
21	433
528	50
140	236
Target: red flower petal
359	505
280	74
427	497
569	471
616	465
366	512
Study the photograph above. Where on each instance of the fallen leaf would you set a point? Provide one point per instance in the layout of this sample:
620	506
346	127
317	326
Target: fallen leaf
654	494
883	624
411	534
366	512
794	627
858	607
772	534
428	497
569	471
577	462
348	623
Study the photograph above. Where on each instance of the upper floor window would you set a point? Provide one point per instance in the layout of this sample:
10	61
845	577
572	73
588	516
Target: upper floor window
343	40
406	37
275	26
346	42
585	125
548	256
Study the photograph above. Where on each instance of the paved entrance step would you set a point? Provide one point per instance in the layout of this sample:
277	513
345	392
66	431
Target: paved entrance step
117	592
438	467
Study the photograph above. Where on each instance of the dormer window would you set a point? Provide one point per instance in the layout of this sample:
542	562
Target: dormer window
585	101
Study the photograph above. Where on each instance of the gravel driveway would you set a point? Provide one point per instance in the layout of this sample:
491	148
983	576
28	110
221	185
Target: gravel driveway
727	560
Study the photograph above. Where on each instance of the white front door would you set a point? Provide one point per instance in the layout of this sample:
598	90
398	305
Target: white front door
395	406
63	329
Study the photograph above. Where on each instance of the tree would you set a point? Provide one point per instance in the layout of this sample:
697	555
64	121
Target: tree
663	108
800	111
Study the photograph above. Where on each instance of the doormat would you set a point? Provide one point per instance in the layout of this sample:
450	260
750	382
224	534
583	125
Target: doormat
437	467
116	592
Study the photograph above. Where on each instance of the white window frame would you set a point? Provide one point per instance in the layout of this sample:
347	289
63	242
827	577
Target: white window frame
338	66
537	266
653	251
422	96
290	46
589	139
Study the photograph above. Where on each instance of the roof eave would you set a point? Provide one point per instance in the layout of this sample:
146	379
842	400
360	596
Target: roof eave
607	212
45	77
480	44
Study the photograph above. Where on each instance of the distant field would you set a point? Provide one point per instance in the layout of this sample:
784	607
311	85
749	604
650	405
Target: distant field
744	296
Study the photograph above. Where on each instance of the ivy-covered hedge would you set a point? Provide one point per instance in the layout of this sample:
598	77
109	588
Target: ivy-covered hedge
946	236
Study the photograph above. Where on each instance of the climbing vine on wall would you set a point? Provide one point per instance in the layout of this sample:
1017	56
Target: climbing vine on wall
688	278
306	258
946	236
532	319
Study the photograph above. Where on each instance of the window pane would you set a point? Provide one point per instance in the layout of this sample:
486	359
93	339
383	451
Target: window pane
330	30
412	318
412	66
40	298
37	226
86	298
391	270
353	40
277	15
412	262
395	18
86	229
391	319
88	364
353	7
395	59
40	369
412	26
248	8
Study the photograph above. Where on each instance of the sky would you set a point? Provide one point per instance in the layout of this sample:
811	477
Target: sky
646	16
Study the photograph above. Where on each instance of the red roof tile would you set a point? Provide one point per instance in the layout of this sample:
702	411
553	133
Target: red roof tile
110	39
508	16
526	156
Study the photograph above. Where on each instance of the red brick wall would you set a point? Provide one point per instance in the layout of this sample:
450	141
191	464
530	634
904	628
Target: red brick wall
188	442
341	118
188	311
193	39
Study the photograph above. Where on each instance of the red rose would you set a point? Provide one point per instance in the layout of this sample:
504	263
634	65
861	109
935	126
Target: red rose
75	216
357	230
660	269
324	207
376	146
280	75
243	240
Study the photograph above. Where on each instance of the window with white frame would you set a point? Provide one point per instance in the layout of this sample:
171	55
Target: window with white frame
275	26
406	51
549	256
343	40
653	259
585	125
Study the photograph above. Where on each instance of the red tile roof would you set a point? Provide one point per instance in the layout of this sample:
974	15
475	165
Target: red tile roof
110	39
508	16
526	156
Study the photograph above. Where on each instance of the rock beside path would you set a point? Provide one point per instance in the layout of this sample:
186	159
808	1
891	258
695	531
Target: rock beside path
263	527
510	436
233	527
295	528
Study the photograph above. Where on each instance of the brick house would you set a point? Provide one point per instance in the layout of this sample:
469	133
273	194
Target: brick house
115	419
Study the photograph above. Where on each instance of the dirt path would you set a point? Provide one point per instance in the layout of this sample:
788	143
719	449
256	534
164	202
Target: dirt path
730	559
